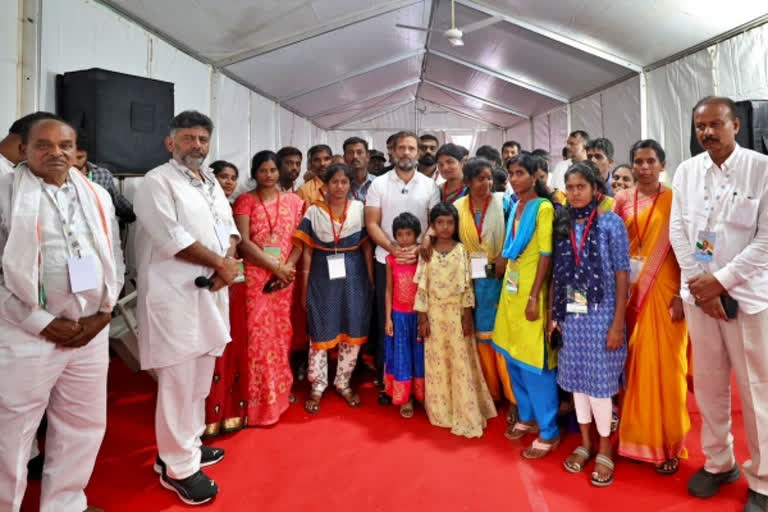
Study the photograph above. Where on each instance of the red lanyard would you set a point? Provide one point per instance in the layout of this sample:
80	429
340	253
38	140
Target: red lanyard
479	227
453	194
641	232
337	236
577	250
266	213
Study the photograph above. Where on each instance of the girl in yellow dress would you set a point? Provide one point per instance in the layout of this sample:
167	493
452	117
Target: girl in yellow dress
457	396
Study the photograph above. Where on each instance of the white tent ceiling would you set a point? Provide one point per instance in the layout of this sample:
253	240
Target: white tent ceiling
337	62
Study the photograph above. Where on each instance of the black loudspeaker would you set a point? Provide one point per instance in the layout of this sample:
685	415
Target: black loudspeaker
753	133
124	117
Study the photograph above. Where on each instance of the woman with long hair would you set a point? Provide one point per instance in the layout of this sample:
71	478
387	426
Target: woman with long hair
519	333
654	413
267	219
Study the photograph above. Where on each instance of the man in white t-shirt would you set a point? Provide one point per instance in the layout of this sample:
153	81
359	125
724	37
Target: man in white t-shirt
402	189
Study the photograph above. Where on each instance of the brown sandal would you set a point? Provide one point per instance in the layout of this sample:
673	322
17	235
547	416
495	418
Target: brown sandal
312	404
540	448
406	410
520	430
352	398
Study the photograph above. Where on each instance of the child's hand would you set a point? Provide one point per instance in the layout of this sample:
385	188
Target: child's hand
389	328
467	325
615	338
423	325
426	248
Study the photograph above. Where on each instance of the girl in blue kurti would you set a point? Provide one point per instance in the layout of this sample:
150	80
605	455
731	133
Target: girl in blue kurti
338	284
588	306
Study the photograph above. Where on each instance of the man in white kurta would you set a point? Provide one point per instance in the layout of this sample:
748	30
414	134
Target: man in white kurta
185	231
62	270
719	232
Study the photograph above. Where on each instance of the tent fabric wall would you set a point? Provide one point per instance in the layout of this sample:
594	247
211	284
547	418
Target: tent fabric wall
232	133
550	132
521	133
10	26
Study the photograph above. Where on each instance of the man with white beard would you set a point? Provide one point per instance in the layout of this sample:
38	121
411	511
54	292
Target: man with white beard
402	189
62	270
185	232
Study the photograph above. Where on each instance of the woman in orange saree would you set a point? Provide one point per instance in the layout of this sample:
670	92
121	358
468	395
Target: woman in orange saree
654	416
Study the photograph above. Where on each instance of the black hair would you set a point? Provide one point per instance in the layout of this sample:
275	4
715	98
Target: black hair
331	171
717	100
474	167
22	125
603	144
445	209
648	143
317	148
489	153
531	164
591	175
27	127
83	144
191	119
391	138
512	143
261	157
464	151
564	152
543	153
452	150
624	166
580	133
542	163
428	136
288	151
406	220
220	165
354	140
500	178
405	134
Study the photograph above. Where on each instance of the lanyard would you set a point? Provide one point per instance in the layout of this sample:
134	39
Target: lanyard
67	219
266	213
454	195
479	227
709	193
577	250
337	236
641	232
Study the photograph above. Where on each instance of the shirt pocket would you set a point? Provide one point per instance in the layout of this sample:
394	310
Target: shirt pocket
742	213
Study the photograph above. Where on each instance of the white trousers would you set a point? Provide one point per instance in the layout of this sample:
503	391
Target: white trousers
180	414
72	384
345	366
740	345
588	407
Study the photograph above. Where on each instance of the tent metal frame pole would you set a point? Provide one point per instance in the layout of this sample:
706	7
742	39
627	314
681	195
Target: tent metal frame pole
372	117
463	114
319	30
378	94
501	76
476	98
549	34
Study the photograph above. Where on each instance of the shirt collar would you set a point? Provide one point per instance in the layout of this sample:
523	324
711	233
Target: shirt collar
207	179
727	166
394	177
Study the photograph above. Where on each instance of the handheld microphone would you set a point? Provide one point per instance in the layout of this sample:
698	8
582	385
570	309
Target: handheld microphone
203	282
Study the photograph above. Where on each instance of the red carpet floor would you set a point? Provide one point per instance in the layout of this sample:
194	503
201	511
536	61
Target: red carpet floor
369	459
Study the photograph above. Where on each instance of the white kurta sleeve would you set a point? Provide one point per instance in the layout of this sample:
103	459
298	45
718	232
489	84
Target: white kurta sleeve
156	212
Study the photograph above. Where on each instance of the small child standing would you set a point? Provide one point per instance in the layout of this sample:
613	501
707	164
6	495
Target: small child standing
457	396
403	348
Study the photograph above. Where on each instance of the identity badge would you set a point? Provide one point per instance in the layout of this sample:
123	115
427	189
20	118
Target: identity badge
336	267
478	262
577	301
636	264
705	246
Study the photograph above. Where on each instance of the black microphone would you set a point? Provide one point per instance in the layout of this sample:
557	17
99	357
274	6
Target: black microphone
203	282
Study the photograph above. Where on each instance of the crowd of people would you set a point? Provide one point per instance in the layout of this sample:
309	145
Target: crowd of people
466	284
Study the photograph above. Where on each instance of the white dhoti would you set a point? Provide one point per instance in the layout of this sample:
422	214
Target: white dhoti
180	414
72	384
740	345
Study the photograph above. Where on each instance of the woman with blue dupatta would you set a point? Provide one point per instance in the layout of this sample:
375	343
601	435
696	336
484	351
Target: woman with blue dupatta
481	230
519	333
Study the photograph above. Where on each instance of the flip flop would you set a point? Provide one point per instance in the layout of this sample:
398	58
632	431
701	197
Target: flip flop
406	410
608	463
520	430
540	449
577	467
312	404
349	396
669	466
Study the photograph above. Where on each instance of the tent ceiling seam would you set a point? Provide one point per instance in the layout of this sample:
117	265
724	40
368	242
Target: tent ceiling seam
467	95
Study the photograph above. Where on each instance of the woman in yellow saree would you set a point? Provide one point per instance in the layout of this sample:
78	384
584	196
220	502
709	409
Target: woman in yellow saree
654	414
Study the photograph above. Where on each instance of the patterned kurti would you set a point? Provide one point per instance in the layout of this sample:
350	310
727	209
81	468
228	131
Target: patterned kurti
457	396
585	364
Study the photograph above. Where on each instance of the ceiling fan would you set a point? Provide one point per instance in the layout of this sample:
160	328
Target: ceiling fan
455	34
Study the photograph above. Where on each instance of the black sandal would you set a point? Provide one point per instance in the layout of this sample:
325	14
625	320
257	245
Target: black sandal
352	398
669	466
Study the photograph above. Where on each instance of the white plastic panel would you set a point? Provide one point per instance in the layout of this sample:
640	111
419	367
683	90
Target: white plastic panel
587	115
526	55
742	66
9	60
294	131
621	117
357	88
263	119
437	117
623	27
192	78
521	133
232	119
322	59
468	106
558	133
347	113
394	119
487	87
111	42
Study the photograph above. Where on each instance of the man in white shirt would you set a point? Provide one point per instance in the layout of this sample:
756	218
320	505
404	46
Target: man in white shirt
719	232
576	146
10	154
403	189
62	271
185	232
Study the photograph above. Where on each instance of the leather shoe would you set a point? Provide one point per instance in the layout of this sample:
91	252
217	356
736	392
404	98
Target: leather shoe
756	502
704	484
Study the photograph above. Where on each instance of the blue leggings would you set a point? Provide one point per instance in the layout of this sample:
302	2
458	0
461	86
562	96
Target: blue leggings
537	398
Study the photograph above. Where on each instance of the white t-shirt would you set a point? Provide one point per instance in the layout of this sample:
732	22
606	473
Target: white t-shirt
6	167
557	176
393	196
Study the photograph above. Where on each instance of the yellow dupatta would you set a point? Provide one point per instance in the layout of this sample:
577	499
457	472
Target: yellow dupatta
493	227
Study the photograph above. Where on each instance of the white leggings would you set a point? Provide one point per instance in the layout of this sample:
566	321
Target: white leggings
601	408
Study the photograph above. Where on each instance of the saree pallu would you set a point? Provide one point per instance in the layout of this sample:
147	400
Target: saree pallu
655	418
